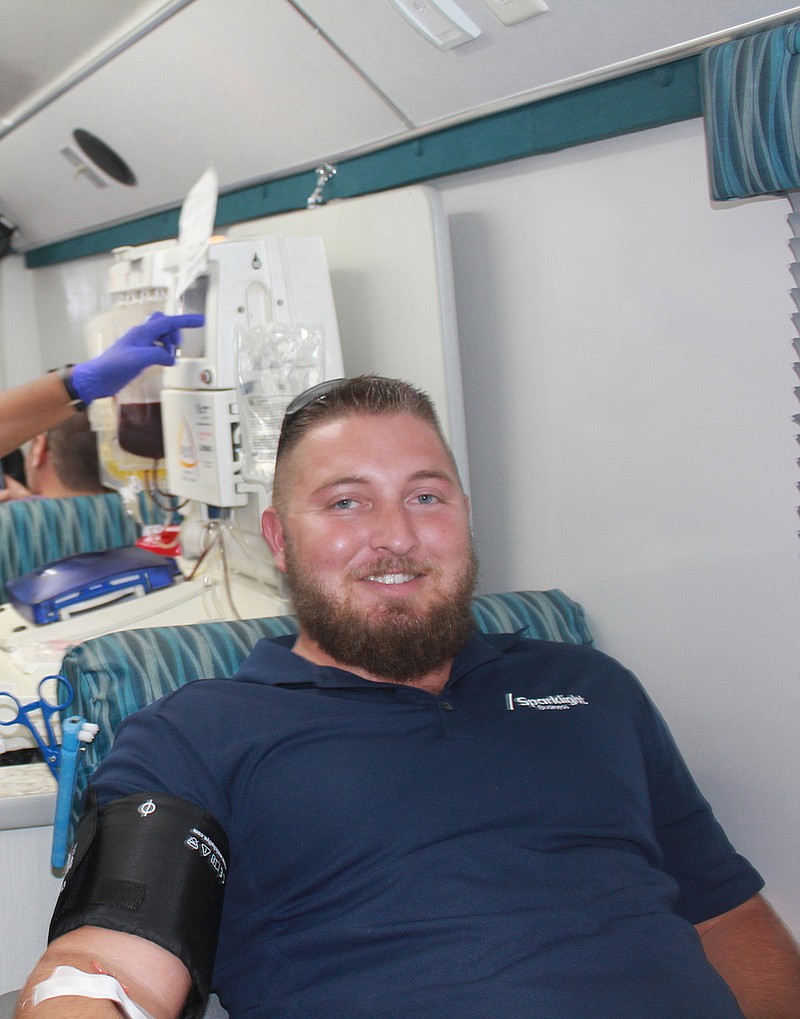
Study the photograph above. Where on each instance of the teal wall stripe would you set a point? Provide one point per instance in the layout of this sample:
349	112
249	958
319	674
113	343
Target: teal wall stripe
636	102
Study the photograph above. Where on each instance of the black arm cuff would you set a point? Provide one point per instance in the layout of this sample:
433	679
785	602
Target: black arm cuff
154	866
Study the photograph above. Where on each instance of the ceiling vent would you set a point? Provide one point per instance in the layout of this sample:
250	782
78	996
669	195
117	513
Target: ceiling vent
104	157
95	155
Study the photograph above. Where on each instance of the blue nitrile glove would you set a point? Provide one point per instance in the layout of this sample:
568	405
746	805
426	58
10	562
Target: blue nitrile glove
152	342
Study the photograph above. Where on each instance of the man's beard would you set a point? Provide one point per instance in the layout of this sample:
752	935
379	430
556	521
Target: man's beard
393	641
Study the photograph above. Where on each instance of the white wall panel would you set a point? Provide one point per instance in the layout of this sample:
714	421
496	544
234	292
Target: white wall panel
19	348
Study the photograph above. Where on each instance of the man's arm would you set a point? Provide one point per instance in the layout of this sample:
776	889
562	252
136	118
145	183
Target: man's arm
31	408
757	957
39	405
152	977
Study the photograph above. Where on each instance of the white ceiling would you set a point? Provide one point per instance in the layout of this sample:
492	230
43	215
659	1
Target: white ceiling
42	40
261	88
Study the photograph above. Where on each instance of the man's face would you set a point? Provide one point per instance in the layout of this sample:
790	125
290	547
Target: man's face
374	539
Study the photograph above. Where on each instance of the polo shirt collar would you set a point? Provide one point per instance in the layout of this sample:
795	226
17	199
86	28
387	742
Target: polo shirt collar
273	662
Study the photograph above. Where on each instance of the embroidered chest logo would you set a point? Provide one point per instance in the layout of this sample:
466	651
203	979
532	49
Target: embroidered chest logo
556	702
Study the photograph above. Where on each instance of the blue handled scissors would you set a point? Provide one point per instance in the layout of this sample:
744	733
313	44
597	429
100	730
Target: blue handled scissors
61	760
21	715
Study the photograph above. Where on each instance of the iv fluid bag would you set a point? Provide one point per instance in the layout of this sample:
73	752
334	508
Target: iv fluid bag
275	363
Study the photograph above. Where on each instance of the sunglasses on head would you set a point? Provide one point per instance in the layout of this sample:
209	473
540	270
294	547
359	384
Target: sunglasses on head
304	400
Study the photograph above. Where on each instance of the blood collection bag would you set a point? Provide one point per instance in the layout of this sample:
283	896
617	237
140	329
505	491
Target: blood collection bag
139	415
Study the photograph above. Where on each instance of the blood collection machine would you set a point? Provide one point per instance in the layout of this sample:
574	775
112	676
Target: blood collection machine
270	333
214	417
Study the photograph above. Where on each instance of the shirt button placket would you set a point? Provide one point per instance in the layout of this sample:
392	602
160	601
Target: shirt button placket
453	721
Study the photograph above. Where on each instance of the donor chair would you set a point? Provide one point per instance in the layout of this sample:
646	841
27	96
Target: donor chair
116	674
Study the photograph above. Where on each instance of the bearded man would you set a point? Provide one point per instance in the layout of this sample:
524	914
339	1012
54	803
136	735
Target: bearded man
391	838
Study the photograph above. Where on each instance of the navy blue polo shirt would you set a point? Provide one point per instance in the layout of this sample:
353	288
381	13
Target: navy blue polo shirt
527	843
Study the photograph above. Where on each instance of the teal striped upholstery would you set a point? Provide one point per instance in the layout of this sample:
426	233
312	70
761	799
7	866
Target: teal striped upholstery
119	673
543	615
751	104
37	531
34	532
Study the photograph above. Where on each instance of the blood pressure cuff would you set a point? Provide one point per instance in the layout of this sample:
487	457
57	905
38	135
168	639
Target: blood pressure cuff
154	866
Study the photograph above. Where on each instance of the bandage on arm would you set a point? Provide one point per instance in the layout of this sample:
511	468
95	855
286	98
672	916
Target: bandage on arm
152	977
70	982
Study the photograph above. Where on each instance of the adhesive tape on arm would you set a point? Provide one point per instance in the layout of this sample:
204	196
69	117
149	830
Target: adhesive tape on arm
67	981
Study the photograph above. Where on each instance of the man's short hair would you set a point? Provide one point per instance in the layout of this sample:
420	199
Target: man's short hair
362	395
72	446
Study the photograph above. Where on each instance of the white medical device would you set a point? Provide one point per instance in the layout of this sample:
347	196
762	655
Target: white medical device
138	282
270	333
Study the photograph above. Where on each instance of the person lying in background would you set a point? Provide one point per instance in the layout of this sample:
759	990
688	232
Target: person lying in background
58	463
39	405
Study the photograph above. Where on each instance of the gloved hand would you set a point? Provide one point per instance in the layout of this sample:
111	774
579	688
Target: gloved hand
153	342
